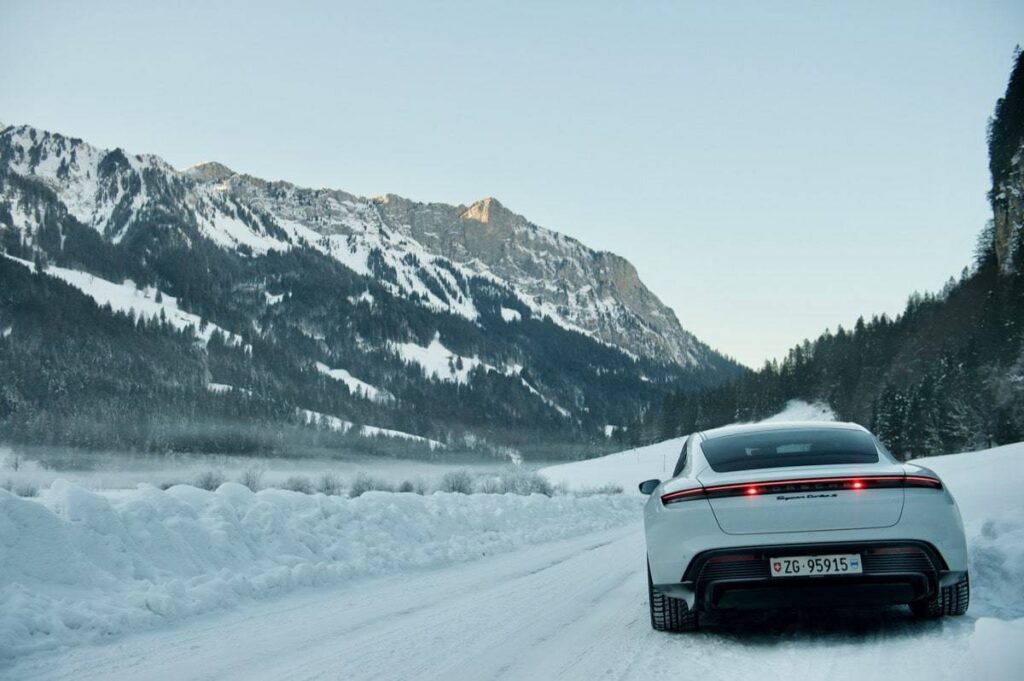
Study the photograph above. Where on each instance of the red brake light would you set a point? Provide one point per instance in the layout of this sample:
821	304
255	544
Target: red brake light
682	495
923	481
803	485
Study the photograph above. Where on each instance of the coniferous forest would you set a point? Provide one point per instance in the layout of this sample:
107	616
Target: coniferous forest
946	375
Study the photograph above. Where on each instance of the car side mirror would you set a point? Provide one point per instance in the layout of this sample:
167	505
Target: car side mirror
648	486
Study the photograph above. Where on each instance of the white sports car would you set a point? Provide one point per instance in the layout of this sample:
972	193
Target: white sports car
799	514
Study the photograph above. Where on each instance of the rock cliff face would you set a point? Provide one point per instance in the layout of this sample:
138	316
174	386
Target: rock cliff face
1008	213
599	292
419	250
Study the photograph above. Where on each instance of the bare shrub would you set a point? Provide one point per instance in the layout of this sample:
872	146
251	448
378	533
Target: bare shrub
22	488
491	484
363	483
329	484
608	488
298	483
417	486
12	459
516	481
25	489
210	479
460	482
252	477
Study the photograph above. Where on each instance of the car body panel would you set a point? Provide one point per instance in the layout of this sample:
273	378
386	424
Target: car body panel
806	510
677	533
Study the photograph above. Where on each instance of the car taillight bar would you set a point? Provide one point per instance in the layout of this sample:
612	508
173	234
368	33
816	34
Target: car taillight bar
923	481
753	489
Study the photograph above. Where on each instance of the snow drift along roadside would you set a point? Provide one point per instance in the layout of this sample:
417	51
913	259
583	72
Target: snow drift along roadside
77	566
986	486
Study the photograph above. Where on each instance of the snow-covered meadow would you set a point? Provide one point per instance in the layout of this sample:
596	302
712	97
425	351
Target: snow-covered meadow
114	472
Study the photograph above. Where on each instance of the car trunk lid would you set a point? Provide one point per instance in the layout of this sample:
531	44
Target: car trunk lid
806	498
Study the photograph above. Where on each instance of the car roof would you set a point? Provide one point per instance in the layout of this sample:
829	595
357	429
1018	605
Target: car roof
744	428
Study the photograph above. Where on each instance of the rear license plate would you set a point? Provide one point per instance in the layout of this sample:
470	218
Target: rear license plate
814	566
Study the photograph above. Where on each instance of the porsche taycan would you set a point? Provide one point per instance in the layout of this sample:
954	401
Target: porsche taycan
799	515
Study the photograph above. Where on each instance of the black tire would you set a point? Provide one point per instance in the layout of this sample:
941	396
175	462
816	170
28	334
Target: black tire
669	614
951	600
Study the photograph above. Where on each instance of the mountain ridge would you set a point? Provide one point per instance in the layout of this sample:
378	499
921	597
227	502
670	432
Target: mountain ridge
618	309
306	303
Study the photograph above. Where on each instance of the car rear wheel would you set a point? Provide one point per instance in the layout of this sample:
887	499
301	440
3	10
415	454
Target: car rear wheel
951	600
669	614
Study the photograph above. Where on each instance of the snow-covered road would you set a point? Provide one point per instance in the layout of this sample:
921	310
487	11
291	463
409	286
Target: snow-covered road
530	614
573	609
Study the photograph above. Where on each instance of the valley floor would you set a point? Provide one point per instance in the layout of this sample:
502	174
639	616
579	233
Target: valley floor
575	608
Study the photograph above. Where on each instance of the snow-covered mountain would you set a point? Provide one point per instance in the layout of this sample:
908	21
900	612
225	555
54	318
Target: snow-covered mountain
320	307
418	250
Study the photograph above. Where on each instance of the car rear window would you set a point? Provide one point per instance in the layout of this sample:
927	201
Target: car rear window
781	448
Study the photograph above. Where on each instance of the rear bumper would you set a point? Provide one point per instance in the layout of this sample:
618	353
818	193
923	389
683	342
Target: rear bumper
739	578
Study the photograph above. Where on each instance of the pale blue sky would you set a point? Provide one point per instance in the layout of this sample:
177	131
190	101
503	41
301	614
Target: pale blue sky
771	169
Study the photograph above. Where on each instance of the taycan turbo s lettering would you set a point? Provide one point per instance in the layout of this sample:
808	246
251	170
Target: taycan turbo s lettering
799	515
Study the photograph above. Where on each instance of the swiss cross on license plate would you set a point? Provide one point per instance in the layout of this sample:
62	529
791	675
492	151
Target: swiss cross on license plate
813	566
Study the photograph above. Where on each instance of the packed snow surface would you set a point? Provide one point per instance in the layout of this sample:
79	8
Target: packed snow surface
78	566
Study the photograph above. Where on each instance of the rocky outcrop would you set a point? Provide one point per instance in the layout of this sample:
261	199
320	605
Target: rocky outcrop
597	291
1008	212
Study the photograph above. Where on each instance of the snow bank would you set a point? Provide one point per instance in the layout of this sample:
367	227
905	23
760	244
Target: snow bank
986	486
626	469
77	566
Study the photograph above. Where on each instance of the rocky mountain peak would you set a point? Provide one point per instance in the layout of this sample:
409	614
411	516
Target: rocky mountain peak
210	171
487	210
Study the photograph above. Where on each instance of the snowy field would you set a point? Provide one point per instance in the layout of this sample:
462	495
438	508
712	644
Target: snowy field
184	583
112	471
